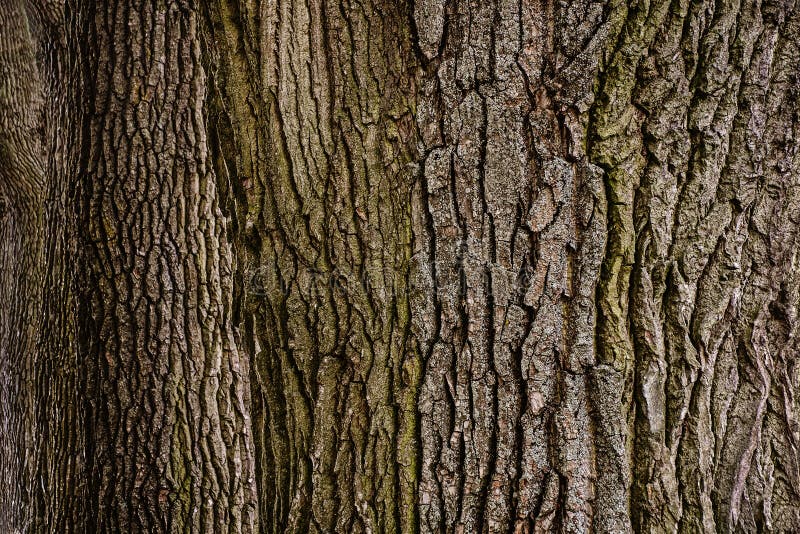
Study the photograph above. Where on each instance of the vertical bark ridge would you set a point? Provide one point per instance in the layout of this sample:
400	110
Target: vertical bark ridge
169	446
317	96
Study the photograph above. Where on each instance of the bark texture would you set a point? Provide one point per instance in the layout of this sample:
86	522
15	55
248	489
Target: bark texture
418	266
513	225
61	496
168	439
695	126
315	126
675	411
21	195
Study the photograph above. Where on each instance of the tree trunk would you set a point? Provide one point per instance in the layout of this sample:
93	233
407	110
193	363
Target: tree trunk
412	266
315	132
168	442
21	195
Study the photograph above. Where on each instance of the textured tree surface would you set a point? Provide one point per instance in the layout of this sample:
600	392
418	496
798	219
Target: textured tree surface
412	266
21	201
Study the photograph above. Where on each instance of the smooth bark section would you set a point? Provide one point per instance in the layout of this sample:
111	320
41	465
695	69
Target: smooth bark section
169	446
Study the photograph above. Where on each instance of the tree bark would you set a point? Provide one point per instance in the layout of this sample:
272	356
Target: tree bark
316	134
168	440
418	266
509	251
694	127
21	194
59	497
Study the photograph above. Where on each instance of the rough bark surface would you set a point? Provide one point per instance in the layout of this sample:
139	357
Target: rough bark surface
510	247
316	135
418	266
60	498
21	200
168	444
695	126
676	412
